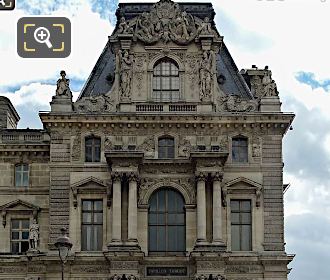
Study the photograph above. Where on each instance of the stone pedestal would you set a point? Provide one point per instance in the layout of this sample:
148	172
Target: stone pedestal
61	103
270	104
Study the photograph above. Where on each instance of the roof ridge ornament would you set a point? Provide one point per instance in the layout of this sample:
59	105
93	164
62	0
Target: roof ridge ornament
166	22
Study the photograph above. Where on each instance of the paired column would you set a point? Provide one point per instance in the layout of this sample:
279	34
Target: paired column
201	208
217	208
132	207
116	208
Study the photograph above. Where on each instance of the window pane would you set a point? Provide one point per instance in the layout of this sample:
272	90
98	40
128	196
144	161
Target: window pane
98	218
246	218
161	219
25	235
153	203
25	182
152	238
235	218
246	205
88	154
98	205
172	238
25	224
15	224
172	219
246	237
234	205
171	201
161	239
15	235
15	247
161	201
181	238
99	241
25	246
152	219
180	219
18	179
87	205
87	217
235	238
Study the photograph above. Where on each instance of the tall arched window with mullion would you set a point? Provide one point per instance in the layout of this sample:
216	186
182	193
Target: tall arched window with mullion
166	83
167	223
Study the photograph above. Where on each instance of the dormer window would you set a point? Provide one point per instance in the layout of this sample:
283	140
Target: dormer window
166	85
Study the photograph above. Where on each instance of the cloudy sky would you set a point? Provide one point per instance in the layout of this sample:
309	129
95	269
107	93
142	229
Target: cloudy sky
290	36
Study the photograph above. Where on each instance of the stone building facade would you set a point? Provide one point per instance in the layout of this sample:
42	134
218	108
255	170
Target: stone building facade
168	166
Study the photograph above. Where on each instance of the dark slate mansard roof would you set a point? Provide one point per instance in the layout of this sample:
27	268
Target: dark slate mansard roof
102	76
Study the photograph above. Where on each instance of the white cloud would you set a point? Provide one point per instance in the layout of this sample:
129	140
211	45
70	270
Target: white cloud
89	36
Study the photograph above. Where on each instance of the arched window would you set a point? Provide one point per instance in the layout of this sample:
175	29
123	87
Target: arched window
166	85
240	149
166	147
166	223
92	149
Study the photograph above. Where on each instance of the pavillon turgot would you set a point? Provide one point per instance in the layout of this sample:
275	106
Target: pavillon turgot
168	166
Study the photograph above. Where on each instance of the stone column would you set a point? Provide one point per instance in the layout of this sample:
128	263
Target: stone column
217	208
201	208
132	208
116	208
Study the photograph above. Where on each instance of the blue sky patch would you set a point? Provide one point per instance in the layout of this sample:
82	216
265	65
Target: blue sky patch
309	78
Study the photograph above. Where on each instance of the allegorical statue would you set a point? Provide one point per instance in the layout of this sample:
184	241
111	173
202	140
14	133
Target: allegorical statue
126	72
206	75
63	86
34	235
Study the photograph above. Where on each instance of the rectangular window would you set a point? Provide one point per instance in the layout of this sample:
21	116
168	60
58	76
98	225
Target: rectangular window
19	235
92	149
240	149
241	225
92	225
22	175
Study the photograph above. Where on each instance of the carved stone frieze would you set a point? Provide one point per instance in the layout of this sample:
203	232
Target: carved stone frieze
124	277
184	185
192	62
166	22
234	103
256	147
96	269
93	104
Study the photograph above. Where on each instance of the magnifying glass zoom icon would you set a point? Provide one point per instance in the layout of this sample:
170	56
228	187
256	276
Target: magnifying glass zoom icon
42	35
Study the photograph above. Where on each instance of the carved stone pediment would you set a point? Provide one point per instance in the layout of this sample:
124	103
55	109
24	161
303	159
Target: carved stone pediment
242	185
18	206
166	22
90	185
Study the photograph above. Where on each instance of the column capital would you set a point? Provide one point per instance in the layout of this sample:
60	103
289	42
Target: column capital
217	176
116	176
200	176
133	176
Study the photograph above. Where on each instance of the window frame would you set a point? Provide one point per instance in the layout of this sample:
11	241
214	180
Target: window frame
166	224
240	224
174	92
165	149
239	158
92	224
22	174
92	147
20	230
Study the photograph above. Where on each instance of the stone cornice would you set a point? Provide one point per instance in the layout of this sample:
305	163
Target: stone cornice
266	122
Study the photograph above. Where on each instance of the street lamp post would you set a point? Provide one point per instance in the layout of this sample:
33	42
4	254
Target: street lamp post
63	245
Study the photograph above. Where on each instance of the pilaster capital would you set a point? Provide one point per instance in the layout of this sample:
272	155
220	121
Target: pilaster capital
217	176
116	176
200	177
133	177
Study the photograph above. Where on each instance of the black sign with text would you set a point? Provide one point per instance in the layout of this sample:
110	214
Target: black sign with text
166	271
